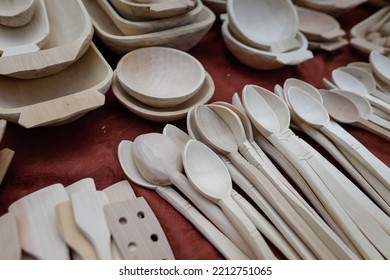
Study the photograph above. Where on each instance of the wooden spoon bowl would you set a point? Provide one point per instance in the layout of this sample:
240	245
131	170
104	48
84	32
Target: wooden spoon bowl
160	77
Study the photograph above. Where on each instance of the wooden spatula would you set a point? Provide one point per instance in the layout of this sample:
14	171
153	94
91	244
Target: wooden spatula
9	238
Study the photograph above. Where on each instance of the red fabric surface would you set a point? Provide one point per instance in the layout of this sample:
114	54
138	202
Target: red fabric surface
88	147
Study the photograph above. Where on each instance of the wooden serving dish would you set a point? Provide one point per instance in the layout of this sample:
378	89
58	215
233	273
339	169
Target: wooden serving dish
182	38
70	37
217	6
53	99
28	38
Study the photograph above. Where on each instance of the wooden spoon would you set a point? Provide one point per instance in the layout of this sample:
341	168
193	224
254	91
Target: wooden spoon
35	215
9	238
159	161
343	110
380	65
16	13
227	248
209	175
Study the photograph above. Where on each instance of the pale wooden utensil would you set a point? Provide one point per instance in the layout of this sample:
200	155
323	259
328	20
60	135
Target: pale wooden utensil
223	244
52	99
261	223
149	10
159	161
380	65
16	13
269	25
70	36
160	77
318	26
9	238
328	45
6	156
182	37
209	175
345	111
35	215
334	8
89	215
163	114
261	59
86	184
28	38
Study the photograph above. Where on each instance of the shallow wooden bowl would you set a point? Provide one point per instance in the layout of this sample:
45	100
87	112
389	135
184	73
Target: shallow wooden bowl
160	77
264	60
139	27
359	33
58	98
182	38
16	13
131	9
334	8
70	37
27	38
217	6
175	113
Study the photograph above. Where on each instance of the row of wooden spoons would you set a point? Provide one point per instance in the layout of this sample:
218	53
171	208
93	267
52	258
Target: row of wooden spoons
80	222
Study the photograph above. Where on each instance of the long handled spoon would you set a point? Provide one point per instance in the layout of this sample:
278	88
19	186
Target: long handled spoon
227	248
160	162
9	238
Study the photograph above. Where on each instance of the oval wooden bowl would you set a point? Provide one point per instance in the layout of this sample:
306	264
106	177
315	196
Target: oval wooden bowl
28	38
160	77
269	25
54	99
175	113
70	37
182	38
358	33
16	13
134	10
334	8
263	60
217	6
139	27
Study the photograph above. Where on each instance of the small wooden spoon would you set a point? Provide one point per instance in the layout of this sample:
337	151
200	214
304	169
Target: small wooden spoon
9	238
209	175
380	65
16	13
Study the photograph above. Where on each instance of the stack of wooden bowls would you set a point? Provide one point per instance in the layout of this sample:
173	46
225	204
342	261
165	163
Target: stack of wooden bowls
40	57
125	25
161	84
264	34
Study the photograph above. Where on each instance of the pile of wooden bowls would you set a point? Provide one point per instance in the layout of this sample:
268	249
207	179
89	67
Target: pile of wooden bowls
264	34
125	25
161	84
39	58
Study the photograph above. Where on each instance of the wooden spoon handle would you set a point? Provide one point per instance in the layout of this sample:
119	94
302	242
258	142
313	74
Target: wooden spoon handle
374	129
61	108
380	121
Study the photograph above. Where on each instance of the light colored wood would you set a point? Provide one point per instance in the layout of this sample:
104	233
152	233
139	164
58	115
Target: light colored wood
329	45
227	248
204	94
334	8
359	32
89	216
318	26
86	184
208	174
70	36
6	156
380	65
16	13
160	77
28	38
217	6
53	100
167	170
265	60
182	37
131	9
119	192
70	232
267	25
9	238
137	231
35	215
130	26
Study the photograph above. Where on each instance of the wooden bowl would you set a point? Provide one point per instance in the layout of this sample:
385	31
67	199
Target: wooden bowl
360	33
160	77
137	27
134	10
269	25
217	6
175	113
334	8
70	37
16	13
182	38
264	60
58	98
28	38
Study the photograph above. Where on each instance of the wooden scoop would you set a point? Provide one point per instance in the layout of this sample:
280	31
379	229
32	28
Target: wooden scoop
16	13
